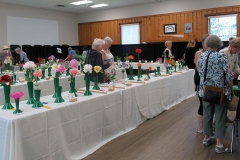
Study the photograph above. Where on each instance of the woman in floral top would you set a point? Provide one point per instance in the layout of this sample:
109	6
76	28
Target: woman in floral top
217	73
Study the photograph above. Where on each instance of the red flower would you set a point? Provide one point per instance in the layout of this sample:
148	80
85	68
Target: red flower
150	69
21	65
70	57
39	59
37	64
138	50
5	79
139	64
130	57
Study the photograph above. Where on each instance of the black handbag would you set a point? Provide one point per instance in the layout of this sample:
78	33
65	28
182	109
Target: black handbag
212	94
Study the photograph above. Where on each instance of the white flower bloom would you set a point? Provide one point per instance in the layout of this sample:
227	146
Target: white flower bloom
55	66
87	68
29	65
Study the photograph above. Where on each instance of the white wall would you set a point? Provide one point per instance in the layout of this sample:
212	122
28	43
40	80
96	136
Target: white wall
67	22
168	6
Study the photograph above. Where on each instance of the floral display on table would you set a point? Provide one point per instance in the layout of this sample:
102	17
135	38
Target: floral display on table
97	69
16	96
60	61
139	71
159	60
126	58
149	70
21	67
39	59
6	82
37	75
155	73
1	70
130	57
51	58
111	77
43	69
81	59
14	78
87	69
138	51
59	98
67	68
123	66
158	70
37	92
73	63
59	70
181	62
73	74
69	57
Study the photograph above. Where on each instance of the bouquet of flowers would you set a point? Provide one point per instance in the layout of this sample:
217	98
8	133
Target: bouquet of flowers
21	66
51	58
16	95
118	58
39	59
73	63
73	72
112	75
29	67
130	58
61	69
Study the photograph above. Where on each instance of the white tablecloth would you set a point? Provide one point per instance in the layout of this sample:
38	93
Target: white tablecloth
70	131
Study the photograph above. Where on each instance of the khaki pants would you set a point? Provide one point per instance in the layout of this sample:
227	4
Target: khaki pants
233	104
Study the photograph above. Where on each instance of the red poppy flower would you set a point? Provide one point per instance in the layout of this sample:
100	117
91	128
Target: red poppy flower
139	64
130	57
138	50
150	69
39	59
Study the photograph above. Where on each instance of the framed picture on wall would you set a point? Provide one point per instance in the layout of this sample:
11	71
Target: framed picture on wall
170	28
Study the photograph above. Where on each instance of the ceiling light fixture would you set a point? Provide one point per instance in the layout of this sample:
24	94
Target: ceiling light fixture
99	5
81	2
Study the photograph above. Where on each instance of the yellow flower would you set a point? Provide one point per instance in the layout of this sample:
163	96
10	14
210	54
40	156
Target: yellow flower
97	69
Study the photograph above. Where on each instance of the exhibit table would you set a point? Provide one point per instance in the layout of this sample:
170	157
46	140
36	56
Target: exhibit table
147	65
71	131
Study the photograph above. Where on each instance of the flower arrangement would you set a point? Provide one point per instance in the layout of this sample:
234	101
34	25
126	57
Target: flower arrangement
17	95
181	61
87	69
21	65
112	75
118	58
150	69
70	57
37	64
61	69
130	58
159	60
37	74
30	65
139	64
138	51
81	58
73	63
60	60
55	66
5	80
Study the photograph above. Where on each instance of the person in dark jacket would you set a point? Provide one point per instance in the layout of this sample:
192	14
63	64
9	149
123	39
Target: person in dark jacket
189	54
94	57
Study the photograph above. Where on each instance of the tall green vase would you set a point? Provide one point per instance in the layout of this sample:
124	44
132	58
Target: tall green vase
72	89
82	67
158	70
1	70
59	98
43	74
68	74
8	66
87	82
49	71
95	87
17	111
131	73
56	84
7	91
155	73
147	73
37	103
139	74
31	100
20	68
15	78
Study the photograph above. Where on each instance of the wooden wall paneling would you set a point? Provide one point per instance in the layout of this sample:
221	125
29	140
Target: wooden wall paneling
186	20
204	26
238	25
199	24
229	9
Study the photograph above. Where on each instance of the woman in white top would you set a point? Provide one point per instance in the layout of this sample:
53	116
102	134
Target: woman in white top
107	55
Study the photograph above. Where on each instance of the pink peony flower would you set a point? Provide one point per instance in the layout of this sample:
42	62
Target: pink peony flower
17	95
73	63
29	65
37	73
73	71
61	69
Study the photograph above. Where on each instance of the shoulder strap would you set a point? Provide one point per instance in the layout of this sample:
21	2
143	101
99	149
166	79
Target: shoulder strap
205	72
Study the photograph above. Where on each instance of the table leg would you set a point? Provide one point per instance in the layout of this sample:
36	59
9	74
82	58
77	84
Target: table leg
237	116
233	128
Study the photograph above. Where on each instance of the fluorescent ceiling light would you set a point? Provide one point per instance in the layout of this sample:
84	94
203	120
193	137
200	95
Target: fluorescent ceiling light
81	2
99	5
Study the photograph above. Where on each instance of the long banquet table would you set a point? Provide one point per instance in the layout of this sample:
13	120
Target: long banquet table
147	65
71	131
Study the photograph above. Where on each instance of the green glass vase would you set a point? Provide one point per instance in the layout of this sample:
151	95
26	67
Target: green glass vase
147	73
158	70
43	74
20	68
87	83
139	74
15	78
131	73
167	70
95	87
82	67
37	103
31	100
1	70
59	98
56	84
175	68
155	73
8	66
49	72
68	73
72	89
17	111
7	91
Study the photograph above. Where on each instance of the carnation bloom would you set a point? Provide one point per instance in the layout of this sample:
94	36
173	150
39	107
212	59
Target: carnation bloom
73	63
21	65
130	57
61	69
87	68
37	73
139	64
39	59
97	69
150	69
73	71
29	65
17	95
5	79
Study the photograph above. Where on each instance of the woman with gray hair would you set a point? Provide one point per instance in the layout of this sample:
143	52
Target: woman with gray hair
23	55
106	54
94	57
217	74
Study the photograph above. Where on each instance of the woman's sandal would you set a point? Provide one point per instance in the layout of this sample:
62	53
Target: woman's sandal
199	131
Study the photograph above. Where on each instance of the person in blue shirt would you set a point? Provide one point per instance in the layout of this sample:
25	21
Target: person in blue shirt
23	55
71	53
